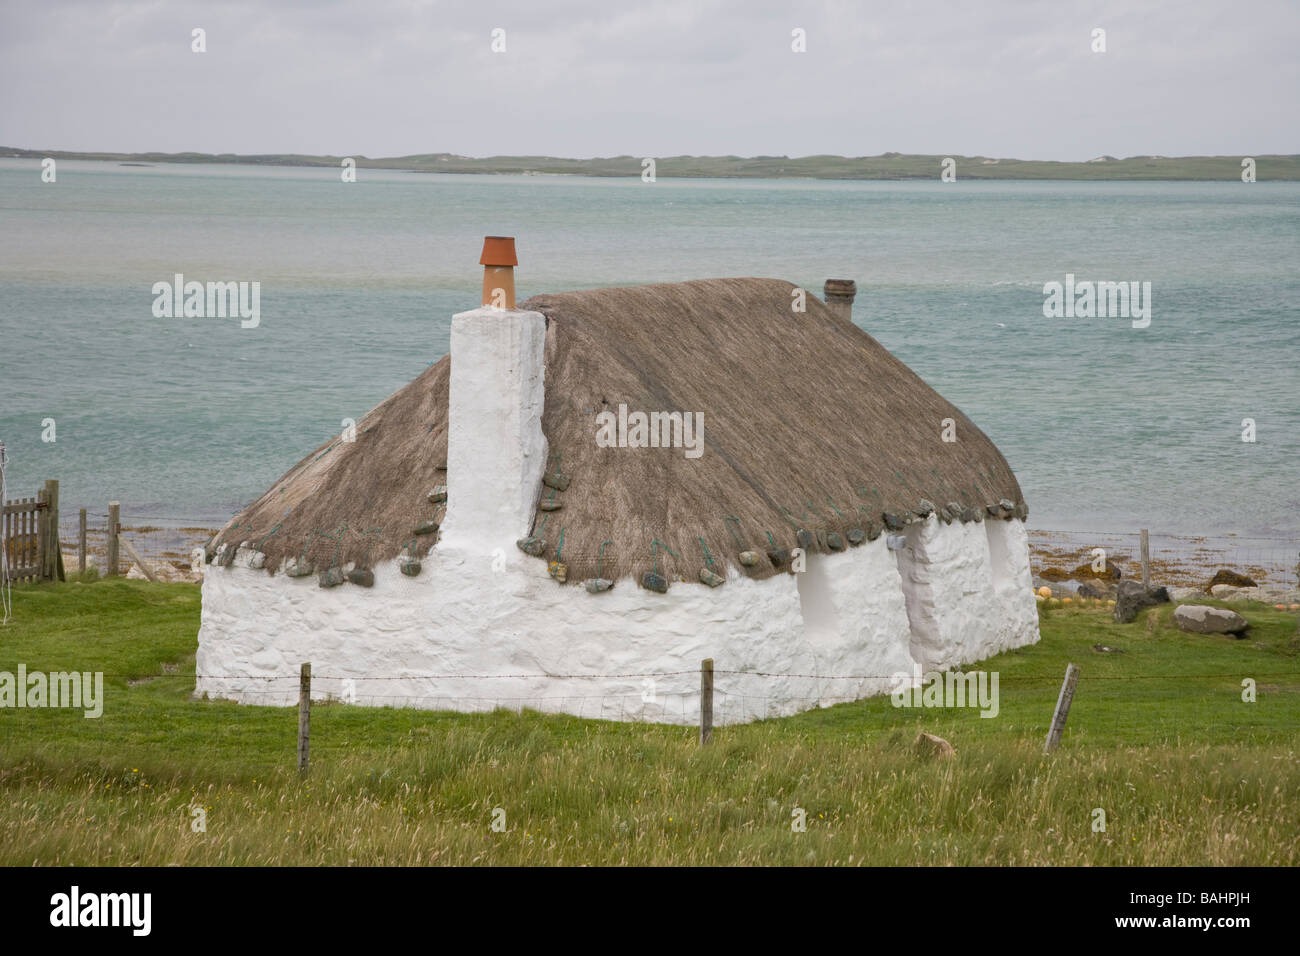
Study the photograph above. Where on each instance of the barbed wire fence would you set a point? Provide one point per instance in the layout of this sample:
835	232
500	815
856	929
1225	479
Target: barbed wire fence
1205	707
1178	560
164	542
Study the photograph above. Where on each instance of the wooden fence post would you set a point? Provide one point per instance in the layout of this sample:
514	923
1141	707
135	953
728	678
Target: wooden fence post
706	701
1146	559
81	542
112	538
43	532
54	547
1062	708
304	717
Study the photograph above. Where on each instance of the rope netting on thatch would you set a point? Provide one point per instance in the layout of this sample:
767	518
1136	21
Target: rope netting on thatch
809	425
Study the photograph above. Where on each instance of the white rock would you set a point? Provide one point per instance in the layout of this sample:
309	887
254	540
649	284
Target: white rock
1202	619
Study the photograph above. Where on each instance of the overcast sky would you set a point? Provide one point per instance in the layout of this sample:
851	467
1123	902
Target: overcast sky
395	77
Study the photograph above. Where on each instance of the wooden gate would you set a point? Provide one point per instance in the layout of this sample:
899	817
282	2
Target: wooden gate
30	532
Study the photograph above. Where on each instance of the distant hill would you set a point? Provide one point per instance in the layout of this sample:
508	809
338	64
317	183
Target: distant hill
884	166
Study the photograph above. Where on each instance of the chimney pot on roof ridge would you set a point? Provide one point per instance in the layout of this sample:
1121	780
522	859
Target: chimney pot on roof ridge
499	261
839	295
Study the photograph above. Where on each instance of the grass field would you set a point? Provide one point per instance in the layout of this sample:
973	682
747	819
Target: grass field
1159	738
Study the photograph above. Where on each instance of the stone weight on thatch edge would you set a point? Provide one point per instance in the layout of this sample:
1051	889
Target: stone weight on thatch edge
711	579
299	568
531	545
555	479
654	582
1006	510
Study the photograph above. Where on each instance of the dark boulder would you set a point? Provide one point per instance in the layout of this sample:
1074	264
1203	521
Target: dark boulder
1090	590
1132	598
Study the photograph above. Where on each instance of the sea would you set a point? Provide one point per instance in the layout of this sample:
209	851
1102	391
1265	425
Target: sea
1109	424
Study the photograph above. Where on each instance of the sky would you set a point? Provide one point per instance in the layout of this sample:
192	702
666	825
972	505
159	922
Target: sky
1005	78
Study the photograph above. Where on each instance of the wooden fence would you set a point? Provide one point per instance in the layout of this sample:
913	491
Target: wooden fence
30	533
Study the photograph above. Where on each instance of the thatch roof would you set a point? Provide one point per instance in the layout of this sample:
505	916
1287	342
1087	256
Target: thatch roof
809	425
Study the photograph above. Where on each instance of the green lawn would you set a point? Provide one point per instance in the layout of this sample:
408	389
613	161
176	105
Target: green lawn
1158	737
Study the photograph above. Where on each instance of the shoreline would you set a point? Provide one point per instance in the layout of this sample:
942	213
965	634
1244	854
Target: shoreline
1175	560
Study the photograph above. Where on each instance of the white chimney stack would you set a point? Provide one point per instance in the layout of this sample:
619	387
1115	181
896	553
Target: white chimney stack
496	451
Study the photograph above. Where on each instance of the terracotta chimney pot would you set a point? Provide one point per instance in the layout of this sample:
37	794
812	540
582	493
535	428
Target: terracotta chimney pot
499	261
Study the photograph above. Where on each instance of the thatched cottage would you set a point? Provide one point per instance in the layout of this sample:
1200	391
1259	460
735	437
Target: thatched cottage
597	487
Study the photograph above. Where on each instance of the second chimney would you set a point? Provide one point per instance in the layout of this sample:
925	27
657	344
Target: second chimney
839	294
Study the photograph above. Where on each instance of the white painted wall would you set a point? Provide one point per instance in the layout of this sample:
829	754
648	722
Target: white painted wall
459	617
968	590
496	451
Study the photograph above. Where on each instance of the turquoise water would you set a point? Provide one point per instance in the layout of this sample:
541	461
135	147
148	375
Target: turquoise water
1107	426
